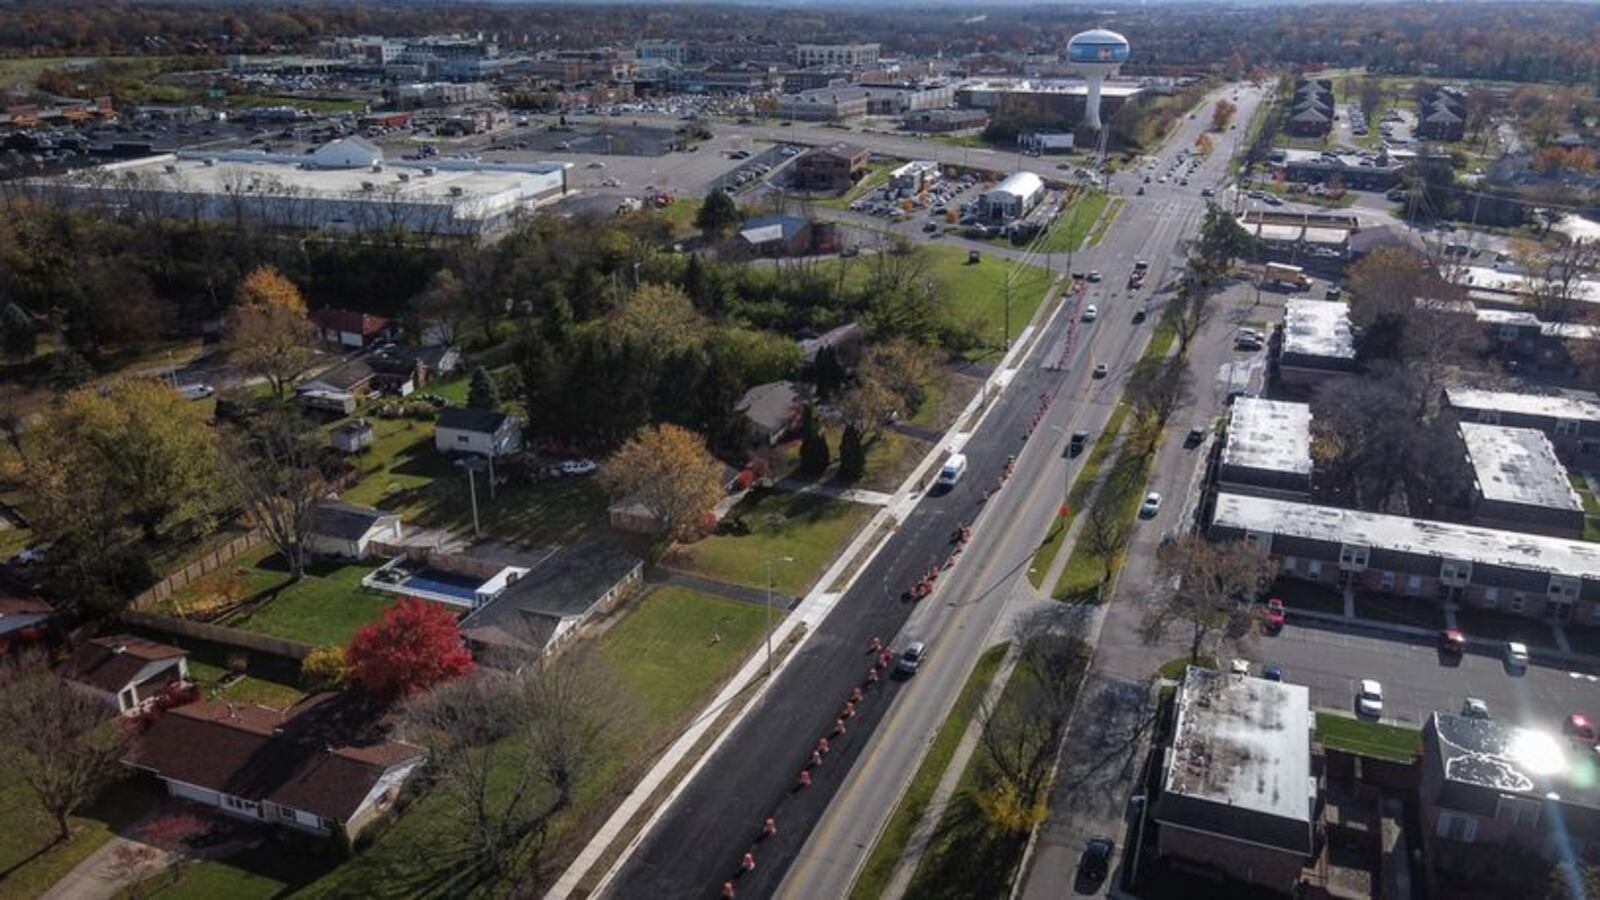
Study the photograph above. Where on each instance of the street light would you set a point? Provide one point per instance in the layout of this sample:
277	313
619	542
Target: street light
768	606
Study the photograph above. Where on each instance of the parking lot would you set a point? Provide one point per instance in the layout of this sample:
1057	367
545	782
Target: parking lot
1418	679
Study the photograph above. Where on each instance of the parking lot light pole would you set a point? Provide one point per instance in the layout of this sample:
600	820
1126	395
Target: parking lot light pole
768	607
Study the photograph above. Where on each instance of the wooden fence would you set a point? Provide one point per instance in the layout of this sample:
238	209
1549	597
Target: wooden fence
218	634
198	569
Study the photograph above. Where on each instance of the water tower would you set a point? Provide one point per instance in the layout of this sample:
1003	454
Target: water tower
1095	54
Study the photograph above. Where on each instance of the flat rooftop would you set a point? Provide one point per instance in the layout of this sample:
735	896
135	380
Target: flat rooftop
1518	465
1496	756
1270	435
1318	328
1581	407
1443	540
1050	86
1486	278
1240	763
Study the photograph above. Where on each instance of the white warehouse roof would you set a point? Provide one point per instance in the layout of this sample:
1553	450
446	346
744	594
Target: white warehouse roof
1022	185
1270	435
1441	540
1518	465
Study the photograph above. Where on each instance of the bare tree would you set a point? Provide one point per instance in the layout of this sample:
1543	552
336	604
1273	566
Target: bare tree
1105	532
1156	391
1214	583
1022	732
508	753
1557	270
276	467
58	741
1192	313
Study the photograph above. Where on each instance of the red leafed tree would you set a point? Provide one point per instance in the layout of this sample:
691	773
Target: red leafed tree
415	646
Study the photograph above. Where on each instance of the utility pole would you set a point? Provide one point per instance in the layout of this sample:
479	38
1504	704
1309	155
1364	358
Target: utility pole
472	485
768	607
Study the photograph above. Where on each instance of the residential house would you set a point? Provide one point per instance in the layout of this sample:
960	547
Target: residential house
1267	449
772	410
831	168
1495	795
338	388
1570	420
346	328
20	610
1238	797
1441	115
775	236
125	671
1311	111
348	530
479	432
353	436
1518	484
551	602
1527	574
295	768
1318	342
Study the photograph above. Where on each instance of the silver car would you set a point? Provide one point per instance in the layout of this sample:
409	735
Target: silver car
911	658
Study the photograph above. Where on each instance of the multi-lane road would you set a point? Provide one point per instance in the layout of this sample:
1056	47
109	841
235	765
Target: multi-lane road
699	841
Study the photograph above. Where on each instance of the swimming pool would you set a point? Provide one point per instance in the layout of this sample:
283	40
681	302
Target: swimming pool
447	584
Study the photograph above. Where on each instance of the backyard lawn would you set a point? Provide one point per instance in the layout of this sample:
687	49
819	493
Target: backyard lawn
29	862
1371	738
668	653
324	607
808	528
248	689
406	475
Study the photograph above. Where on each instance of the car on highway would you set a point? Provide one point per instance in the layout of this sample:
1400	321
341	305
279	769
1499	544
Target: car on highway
1272	672
1196	435
1094	277
1208	192
597	164
1474	708
911	659
1150	506
1240	667
1369	698
1516	655
1275	614
1100	370
950	474
1139	315
1091	312
1095	863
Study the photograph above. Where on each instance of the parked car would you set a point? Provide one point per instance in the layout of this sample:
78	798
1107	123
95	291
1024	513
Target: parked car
1240	667
1275	613
1272	672
1100	370
1095	863
1452	641
1580	727
1369	698
574	467
1150	506
1516	655
196	391
1196	435
1474	708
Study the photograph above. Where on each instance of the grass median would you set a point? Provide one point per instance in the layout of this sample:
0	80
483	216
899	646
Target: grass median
1081	488
1368	738
886	853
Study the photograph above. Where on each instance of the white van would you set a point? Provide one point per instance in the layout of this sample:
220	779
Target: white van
954	468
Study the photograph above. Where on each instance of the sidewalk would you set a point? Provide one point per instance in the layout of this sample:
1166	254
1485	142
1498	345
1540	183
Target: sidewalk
854	495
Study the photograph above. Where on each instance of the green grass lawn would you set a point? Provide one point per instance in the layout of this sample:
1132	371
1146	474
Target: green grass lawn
969	856
680	214
886	853
262	873
324	607
1082	486
668	653
29	858
406	475
1173	669
1074	223
249	689
1591	506
1370	738
809	528
1099	232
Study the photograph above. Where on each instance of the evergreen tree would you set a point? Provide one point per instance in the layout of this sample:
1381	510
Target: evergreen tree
540	382
717	214
483	393
814	453
827	373
17	332
852	454
694	281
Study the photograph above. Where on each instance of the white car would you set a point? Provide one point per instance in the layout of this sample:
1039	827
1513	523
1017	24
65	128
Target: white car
1091	312
579	467
196	391
1150	506
1516	655
1241	667
1369	699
